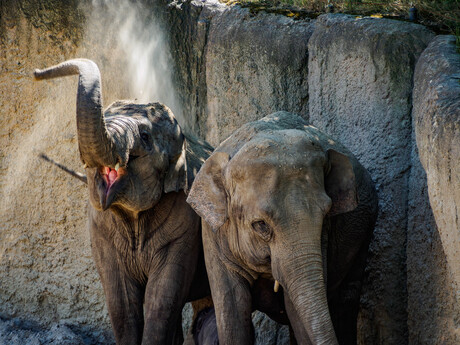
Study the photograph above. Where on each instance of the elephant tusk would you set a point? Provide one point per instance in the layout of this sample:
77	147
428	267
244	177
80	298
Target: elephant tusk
277	286
85	166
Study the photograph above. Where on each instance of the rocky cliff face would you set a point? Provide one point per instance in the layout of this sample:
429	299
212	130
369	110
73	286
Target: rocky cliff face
47	276
42	211
360	83
353	78
434	278
254	67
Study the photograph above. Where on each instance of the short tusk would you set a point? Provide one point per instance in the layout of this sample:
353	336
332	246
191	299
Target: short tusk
85	166
277	286
117	166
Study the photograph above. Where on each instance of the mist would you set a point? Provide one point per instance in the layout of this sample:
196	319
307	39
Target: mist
145	59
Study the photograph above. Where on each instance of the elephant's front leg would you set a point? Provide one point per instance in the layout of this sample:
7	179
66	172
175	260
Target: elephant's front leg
123	296
165	295
231	296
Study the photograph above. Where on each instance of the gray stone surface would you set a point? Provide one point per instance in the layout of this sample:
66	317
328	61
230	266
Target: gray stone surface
433	304
433	236
360	85
18	332
187	24
255	65
268	332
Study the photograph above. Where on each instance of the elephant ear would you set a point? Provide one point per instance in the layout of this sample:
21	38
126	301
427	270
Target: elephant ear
176	176
340	183
207	195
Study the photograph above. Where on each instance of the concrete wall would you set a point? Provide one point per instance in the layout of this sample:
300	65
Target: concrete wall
360	83
433	251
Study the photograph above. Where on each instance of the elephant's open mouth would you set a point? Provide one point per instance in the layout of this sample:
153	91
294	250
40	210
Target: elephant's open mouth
112	179
110	176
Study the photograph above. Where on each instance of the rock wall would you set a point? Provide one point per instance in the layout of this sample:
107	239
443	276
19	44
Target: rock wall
47	276
358	86
254	66
360	83
188	26
350	77
434	277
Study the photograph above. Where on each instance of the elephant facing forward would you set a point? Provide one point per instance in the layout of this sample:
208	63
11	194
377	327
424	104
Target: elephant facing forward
145	238
289	216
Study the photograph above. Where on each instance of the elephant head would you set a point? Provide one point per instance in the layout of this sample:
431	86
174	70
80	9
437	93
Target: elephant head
132	152
265	193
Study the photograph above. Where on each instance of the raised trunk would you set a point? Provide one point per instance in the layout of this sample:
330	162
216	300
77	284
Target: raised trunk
95	144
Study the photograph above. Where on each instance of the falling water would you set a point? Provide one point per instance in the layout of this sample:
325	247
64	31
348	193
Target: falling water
139	38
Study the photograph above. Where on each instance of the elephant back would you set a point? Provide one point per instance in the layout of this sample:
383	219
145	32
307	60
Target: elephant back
274	122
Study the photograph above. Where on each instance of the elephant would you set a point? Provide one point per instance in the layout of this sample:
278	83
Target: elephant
145	238
204	328
288	217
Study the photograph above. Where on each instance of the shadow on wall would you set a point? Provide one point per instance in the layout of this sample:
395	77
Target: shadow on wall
429	292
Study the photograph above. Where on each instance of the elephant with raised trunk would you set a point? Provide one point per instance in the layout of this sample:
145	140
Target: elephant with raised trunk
289	215
145	238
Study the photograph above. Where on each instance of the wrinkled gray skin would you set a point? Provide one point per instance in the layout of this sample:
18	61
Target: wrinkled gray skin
283	201
145	238
204	328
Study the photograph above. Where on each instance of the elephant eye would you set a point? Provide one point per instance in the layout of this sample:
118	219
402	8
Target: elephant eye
145	136
146	140
262	229
132	157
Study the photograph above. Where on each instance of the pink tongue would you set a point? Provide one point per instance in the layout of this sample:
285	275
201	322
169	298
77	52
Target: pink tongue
112	176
